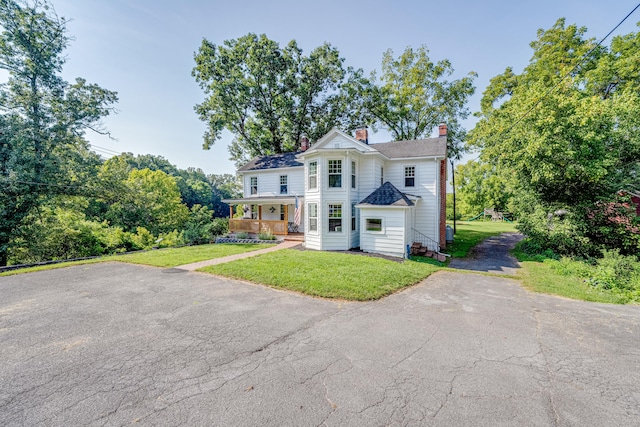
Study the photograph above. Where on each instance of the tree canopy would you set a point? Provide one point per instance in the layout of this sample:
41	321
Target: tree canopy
413	95
566	129
267	96
42	117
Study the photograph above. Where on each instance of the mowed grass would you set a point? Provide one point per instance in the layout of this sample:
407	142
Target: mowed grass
540	277
186	255
469	234
169	257
326	274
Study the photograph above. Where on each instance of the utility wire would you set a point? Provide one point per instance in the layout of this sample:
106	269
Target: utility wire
548	92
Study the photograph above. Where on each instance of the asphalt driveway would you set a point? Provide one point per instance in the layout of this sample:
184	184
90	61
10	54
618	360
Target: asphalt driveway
118	344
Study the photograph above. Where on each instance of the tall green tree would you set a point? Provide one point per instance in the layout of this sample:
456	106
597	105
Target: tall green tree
151	199
42	117
566	129
267	96
413	95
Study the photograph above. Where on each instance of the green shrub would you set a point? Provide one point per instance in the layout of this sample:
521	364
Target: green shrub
220	226
242	235
266	235
173	238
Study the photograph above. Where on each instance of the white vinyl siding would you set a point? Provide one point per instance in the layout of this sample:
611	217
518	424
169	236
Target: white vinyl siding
269	181
390	240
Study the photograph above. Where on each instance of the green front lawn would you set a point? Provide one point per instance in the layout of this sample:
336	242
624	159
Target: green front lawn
186	255
540	277
469	234
326	274
170	257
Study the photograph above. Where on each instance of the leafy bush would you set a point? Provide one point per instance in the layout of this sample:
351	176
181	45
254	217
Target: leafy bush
612	273
173	238
220	226
266	235
242	235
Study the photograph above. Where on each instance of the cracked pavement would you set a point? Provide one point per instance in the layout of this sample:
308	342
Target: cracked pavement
116	344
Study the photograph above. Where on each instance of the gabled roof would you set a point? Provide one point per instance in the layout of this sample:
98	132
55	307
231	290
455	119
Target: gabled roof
430	147
387	195
275	161
323	142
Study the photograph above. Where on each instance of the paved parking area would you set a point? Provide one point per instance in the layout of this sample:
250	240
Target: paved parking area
118	344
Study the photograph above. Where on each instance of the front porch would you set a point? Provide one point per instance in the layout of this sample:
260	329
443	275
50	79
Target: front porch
275	215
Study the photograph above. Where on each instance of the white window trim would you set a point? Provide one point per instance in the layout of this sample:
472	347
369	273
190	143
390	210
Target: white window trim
415	175
366	230
309	217
342	186
342	230
257	186
354	175
280	184
316	175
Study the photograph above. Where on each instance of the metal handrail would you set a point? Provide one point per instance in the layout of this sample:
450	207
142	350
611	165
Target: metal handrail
425	241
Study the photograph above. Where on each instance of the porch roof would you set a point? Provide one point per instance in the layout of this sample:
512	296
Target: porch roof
264	200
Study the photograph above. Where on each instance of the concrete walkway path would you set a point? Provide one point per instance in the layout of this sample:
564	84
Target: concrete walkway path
196	265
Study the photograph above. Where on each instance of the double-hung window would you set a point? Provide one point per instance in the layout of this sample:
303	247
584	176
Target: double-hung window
353	217
353	174
254	184
409	176
335	173
313	175
313	217
335	218
283	184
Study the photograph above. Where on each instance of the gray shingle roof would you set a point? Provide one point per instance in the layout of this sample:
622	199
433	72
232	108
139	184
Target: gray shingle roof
387	195
275	161
430	147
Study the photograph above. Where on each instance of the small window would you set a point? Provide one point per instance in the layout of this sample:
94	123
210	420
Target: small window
254	185
374	224
335	218
254	211
313	175
335	173
313	217
283	184
282	213
353	174
409	176
381	176
353	217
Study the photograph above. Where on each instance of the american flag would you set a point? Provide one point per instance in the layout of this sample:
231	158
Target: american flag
296	215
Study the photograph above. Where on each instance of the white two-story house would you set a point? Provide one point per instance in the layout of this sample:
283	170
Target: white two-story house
350	194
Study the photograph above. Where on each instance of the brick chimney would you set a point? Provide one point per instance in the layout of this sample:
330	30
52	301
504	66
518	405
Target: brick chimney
442	129
362	134
304	143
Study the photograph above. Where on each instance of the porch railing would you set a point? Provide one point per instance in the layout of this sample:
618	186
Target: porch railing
258	226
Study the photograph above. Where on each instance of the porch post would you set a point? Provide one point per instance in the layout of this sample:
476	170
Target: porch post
259	212
286	219
230	211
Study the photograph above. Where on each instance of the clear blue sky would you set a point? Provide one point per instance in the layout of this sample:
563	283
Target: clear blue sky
143	49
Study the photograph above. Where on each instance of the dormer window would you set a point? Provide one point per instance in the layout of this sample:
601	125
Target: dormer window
335	173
